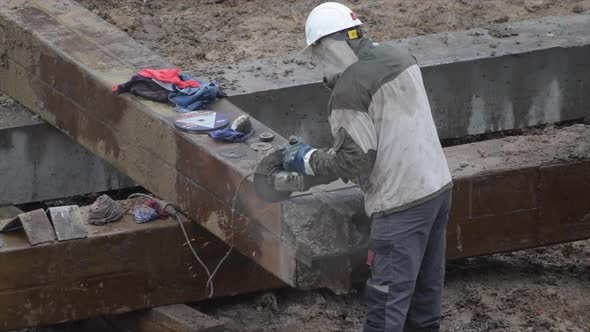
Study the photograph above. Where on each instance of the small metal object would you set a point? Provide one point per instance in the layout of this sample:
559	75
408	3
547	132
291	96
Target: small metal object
288	181
37	227
260	146
233	153
266	137
293	140
67	222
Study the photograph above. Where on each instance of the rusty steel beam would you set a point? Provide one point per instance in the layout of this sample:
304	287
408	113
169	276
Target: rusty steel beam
518	193
519	209
60	61
120	267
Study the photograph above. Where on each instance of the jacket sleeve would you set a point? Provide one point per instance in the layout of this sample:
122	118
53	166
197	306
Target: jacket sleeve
346	160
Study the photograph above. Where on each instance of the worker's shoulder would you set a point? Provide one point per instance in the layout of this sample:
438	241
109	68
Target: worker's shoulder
380	64
390	52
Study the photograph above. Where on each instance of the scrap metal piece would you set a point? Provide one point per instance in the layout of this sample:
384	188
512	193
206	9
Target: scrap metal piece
266	137
270	164
9	218
37	227
260	146
233	153
67	221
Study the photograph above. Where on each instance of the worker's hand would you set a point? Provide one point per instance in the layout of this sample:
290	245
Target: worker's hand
294	157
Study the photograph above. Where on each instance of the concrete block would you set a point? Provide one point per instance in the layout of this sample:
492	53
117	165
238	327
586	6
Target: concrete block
38	162
477	80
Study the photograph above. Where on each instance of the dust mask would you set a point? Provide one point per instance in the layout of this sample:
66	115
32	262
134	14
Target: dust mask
333	57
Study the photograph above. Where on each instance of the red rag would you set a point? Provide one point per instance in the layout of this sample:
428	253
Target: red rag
169	76
154	205
370	257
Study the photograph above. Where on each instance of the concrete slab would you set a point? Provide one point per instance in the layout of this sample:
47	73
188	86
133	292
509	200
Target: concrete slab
38	162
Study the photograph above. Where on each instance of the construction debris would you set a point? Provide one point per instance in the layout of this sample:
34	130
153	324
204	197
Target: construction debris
37	227
9	218
104	210
67	221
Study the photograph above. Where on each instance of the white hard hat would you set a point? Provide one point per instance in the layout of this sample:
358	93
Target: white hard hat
328	18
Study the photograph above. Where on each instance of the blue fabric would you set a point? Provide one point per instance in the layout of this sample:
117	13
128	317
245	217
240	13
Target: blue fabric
192	99
144	213
230	135
293	157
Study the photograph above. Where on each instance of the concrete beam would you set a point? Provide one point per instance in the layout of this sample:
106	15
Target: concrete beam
508	76
38	162
120	267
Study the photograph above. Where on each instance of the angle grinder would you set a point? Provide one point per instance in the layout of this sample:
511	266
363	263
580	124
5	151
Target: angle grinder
274	184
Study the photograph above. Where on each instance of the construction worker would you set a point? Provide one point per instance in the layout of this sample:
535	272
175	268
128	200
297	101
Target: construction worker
385	139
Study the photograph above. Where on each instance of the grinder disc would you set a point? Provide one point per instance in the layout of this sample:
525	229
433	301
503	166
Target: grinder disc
201	121
263	181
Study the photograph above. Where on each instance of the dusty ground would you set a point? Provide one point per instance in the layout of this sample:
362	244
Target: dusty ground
194	33
546	289
543	289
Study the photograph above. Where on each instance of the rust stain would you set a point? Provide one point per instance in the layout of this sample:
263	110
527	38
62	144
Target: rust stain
69	115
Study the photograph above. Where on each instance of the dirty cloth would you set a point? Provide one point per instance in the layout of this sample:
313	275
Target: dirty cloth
408	268
239	131
104	210
229	135
186	93
143	87
192	99
148	210
171	75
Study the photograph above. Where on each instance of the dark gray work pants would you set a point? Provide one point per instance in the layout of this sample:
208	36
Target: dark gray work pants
408	268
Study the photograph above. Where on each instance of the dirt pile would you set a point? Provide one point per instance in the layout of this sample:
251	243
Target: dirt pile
193	34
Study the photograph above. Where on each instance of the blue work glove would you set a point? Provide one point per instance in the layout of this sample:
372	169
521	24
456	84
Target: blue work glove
293	157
